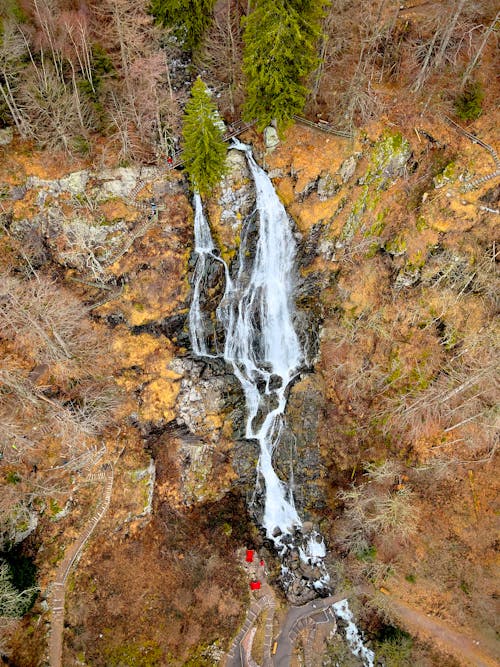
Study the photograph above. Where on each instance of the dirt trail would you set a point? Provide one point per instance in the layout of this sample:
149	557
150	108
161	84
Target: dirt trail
448	640
58	586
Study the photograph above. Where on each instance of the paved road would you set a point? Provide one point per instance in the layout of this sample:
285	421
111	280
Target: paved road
316	612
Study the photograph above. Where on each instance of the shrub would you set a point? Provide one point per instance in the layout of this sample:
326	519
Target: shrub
13	602
468	103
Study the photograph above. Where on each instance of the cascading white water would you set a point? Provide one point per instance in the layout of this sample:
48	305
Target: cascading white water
261	344
204	248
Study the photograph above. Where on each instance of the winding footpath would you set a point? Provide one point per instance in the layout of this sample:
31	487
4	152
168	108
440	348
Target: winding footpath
236	656
58	588
308	616
318	612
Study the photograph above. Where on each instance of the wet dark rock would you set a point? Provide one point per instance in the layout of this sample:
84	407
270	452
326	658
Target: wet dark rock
171	327
275	382
299	448
114	319
245	457
491	196
261	384
310	187
308	249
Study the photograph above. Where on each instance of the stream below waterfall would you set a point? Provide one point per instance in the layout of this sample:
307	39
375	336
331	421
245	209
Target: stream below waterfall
263	350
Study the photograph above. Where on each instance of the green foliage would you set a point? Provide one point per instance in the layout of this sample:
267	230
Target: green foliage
204	151
394	647
134	654
188	18
280	52
468	104
17	595
80	145
22	568
101	62
11	9
367	555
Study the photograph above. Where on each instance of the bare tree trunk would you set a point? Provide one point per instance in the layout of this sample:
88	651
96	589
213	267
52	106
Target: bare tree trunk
448	33
480	50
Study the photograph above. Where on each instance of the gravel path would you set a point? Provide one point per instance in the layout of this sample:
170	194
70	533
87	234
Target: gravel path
57	594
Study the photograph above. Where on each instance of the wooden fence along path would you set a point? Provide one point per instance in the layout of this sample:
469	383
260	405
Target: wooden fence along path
323	126
235	129
57	594
475	183
256	608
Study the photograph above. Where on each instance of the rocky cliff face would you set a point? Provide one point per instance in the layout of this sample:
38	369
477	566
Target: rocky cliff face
393	284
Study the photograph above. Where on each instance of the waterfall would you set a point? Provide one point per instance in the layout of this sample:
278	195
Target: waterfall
261	344
204	248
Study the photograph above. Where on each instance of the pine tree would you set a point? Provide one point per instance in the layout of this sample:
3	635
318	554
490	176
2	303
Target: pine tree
280	39
204	151
189	18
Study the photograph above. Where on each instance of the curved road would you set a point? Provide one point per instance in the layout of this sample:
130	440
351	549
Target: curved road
447	639
316	611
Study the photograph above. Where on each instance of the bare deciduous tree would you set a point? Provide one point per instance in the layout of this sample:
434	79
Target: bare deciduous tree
221	56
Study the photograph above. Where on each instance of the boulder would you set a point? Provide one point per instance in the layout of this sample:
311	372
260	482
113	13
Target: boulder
75	183
6	136
348	167
237	169
118	182
271	139
327	186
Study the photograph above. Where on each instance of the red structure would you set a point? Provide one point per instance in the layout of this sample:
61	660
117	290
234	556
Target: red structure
255	585
261	563
249	556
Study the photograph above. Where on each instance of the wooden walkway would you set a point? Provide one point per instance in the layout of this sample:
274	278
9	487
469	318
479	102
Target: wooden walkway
58	588
322	126
234	657
476	182
239	127
233	130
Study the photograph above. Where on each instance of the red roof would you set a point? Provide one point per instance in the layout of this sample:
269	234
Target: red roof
255	585
249	557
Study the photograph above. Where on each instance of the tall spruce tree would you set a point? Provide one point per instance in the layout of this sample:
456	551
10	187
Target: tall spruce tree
204	152
188	18
280	52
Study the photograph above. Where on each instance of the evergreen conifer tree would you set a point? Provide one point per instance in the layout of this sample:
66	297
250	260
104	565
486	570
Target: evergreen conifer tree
189	18
204	151
280	52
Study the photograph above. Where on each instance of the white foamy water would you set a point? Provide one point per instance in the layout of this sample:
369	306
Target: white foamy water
204	248
261	344
352	634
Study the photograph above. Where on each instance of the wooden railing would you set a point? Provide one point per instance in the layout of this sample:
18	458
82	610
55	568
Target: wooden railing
324	127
